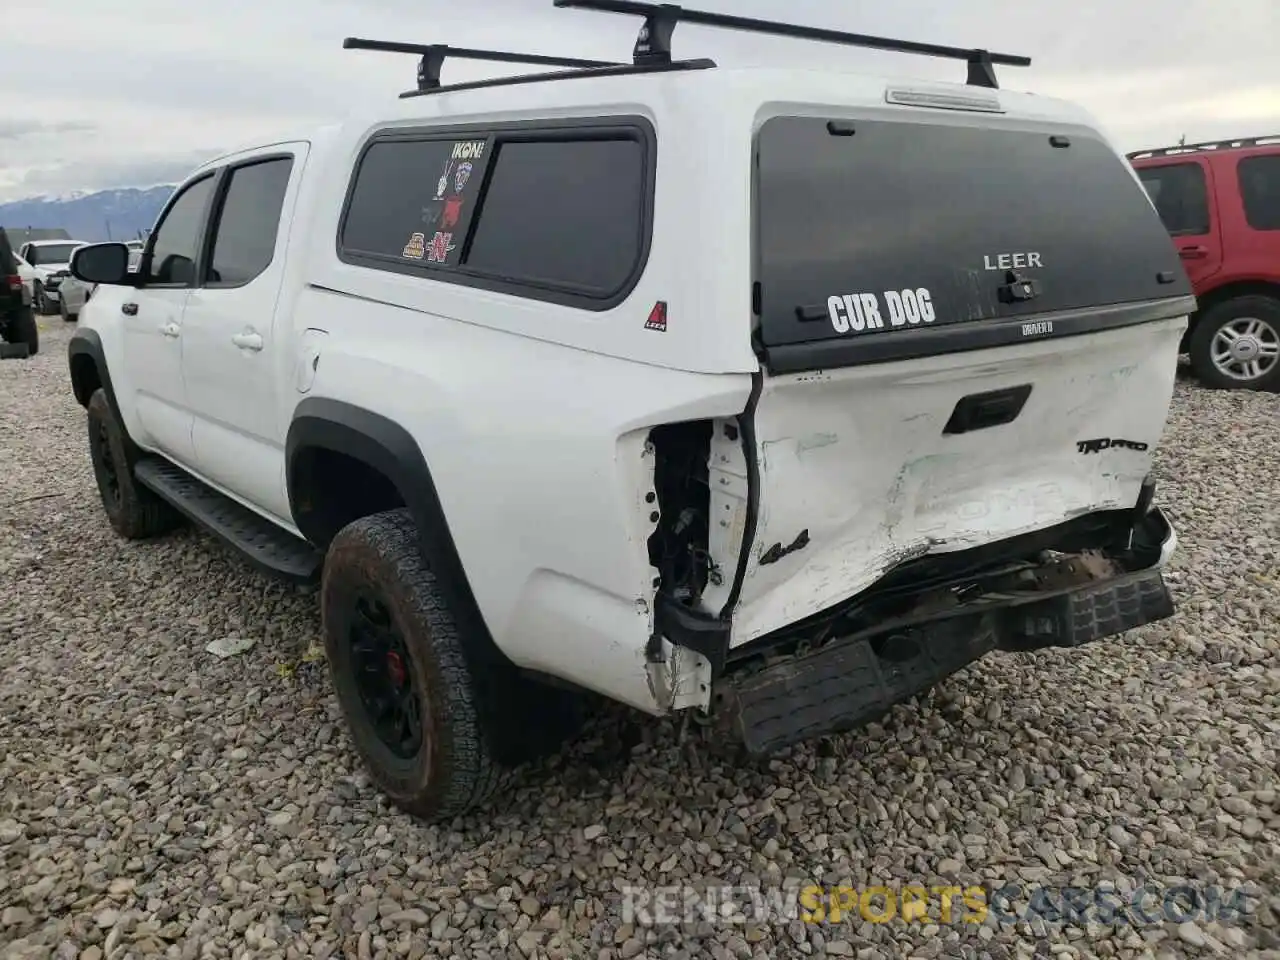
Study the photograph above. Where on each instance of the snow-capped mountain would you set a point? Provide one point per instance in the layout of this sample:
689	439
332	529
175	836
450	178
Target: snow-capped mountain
119	214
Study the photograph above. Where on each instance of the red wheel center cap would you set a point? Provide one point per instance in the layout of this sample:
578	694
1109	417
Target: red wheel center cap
395	666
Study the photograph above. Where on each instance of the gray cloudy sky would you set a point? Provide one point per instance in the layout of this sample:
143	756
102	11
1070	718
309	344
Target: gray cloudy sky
102	94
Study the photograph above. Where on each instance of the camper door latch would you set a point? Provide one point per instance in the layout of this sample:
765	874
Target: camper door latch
1017	289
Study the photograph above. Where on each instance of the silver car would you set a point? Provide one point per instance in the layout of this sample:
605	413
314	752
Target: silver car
73	293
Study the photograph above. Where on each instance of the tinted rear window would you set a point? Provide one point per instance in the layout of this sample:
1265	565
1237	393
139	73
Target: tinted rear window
549	215
244	243
1260	191
911	226
563	213
410	196
1181	196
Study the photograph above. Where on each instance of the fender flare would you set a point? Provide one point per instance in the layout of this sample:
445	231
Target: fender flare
320	422
86	343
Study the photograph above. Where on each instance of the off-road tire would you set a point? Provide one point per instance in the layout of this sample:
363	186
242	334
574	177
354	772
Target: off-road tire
454	768
1214	319
133	511
23	329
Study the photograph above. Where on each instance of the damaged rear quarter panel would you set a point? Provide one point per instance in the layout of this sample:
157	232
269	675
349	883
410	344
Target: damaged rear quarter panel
538	456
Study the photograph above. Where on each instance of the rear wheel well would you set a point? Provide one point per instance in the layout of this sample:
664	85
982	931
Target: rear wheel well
85	378
332	489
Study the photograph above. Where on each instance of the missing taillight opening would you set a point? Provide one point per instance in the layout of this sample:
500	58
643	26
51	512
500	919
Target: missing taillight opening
678	545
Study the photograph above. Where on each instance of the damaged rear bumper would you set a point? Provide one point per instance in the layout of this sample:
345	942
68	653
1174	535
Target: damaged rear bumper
852	680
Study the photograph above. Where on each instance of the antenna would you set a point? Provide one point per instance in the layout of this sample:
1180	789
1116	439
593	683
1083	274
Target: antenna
653	46
434	55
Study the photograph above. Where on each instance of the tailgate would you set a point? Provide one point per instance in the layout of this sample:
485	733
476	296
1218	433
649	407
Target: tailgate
864	468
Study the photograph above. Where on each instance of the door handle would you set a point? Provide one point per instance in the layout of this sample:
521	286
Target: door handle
170	329
248	341
129	309
1193	253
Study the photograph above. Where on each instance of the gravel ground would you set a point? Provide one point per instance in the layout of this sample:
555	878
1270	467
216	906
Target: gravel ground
157	800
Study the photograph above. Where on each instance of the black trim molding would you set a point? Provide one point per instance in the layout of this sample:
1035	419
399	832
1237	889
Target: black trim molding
86	343
959	337
370	438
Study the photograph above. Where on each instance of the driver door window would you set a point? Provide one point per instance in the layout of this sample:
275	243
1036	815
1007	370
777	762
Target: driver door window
176	242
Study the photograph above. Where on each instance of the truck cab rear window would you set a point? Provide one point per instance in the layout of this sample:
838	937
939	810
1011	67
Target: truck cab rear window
909	226
552	217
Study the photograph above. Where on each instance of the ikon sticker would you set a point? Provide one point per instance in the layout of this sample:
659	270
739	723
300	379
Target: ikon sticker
468	150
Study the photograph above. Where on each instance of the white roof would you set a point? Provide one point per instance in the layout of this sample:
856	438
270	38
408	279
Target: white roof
702	103
743	90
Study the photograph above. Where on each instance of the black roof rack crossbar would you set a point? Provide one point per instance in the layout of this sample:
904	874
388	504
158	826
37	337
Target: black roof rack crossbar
612	70
434	55
654	43
1233	143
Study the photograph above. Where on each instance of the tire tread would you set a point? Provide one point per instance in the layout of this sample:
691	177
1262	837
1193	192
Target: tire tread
470	772
142	514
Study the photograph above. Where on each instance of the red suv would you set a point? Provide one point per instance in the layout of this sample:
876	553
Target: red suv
1221	203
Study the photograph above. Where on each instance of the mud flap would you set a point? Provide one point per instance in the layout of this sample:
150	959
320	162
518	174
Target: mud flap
849	683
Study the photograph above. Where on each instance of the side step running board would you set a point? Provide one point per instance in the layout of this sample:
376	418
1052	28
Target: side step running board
269	548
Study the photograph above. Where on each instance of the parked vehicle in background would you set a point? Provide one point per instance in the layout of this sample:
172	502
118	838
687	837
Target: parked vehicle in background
1221	202
135	248
73	293
539	394
28	275
51	262
17	320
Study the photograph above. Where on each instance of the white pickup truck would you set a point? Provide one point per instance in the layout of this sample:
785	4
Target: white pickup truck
776	395
49	262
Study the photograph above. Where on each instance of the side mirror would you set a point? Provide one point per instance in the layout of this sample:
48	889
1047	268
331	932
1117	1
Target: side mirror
101	263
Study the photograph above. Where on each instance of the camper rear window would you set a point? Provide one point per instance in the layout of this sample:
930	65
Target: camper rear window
910	226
